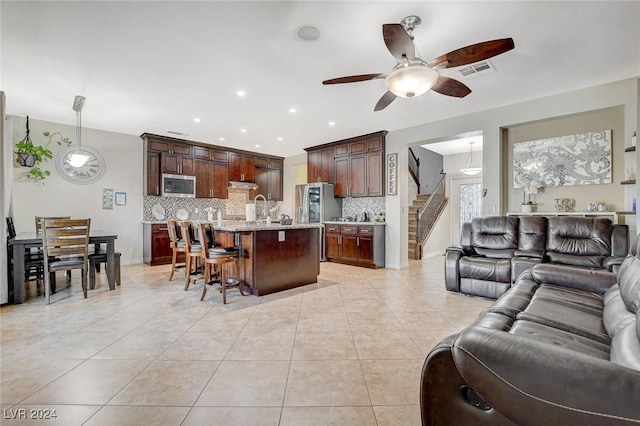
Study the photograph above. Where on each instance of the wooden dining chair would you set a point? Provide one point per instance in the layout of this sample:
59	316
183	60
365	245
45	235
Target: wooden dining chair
65	243
192	252
219	259
33	260
177	246
38	220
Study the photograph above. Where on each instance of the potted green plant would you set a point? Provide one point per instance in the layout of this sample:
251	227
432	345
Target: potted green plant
30	155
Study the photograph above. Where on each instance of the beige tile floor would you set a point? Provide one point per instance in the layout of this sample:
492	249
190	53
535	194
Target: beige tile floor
347	350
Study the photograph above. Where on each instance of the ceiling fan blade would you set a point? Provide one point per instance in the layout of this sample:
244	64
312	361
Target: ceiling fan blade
384	101
450	87
473	53
398	41
353	78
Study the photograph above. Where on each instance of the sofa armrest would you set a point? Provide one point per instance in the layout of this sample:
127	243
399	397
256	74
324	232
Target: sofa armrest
452	270
529	253
611	263
464	250
532	382
597	281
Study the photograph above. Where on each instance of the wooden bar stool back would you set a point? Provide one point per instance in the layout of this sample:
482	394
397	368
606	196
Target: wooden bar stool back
221	258
177	246
193	251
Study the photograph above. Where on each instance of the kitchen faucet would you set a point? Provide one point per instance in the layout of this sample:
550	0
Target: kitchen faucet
264	209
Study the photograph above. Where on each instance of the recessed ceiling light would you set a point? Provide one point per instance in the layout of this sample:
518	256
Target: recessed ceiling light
196	120
241	93
332	123
292	110
243	130
280	139
221	139
308	33
257	145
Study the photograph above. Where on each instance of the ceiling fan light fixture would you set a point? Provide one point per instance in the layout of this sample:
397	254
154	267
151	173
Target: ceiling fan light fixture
408	81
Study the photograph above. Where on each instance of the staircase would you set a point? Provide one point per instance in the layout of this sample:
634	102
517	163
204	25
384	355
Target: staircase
414	208
423	216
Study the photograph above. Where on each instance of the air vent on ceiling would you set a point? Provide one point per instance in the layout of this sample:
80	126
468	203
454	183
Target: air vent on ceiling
477	69
177	133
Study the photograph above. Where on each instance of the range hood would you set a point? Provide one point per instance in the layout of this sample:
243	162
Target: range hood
246	185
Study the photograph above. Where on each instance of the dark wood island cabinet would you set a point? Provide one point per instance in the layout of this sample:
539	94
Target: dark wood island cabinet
274	257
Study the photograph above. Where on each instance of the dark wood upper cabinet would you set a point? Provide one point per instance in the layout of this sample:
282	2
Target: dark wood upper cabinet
152	173
211	179
269	183
355	166
241	167
210	154
214	166
320	165
269	163
178	164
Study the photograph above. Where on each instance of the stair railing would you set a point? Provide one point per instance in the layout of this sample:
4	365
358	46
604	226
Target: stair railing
427	216
414	168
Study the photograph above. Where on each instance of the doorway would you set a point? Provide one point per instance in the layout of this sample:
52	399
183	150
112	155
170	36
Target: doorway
466	203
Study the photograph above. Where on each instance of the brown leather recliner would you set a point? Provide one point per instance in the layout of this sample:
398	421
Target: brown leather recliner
494	251
561	347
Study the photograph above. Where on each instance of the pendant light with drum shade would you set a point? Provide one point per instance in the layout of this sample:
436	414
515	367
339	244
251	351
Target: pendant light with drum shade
468	168
78	158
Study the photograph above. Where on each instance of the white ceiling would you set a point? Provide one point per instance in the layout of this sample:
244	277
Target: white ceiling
154	66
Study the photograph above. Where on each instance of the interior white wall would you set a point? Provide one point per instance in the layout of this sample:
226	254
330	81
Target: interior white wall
289	181
490	122
6	158
123	155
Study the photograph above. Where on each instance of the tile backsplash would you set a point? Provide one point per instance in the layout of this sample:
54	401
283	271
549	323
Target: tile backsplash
232	208
355	206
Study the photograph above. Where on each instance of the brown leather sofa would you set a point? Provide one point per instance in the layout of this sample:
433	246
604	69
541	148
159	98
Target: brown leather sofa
562	347
495	250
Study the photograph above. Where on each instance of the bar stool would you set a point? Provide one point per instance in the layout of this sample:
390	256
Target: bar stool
192	250
176	244
220	258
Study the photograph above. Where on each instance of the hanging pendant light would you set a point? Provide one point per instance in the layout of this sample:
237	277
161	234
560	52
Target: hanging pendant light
78	158
468	168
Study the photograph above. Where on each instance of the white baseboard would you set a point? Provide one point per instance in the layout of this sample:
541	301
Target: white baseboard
432	254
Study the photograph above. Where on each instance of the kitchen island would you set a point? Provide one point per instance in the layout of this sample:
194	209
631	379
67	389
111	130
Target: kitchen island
273	257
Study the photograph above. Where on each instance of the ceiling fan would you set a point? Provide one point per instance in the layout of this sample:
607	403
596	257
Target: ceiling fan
413	76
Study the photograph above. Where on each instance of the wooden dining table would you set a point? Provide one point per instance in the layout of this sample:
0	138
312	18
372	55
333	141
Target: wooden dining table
24	240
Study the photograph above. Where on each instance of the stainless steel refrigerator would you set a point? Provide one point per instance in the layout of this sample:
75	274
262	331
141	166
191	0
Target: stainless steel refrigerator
315	203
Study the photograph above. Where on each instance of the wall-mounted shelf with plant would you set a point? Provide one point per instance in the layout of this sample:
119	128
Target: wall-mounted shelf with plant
32	156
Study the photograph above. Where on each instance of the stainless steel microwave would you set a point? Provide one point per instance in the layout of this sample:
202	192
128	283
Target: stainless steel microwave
181	186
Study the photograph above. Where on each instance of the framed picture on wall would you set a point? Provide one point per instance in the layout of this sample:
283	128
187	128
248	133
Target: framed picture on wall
392	174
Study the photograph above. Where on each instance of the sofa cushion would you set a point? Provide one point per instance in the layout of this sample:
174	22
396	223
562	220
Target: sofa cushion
482	268
578	241
532	235
495	236
560	338
582	320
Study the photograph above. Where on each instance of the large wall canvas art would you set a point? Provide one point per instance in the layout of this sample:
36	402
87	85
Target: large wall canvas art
580	159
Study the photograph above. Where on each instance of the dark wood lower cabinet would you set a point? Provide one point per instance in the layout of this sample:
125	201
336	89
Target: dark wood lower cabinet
353	244
276	260
156	249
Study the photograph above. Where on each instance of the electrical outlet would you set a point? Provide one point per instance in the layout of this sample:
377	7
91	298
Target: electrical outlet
493	209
